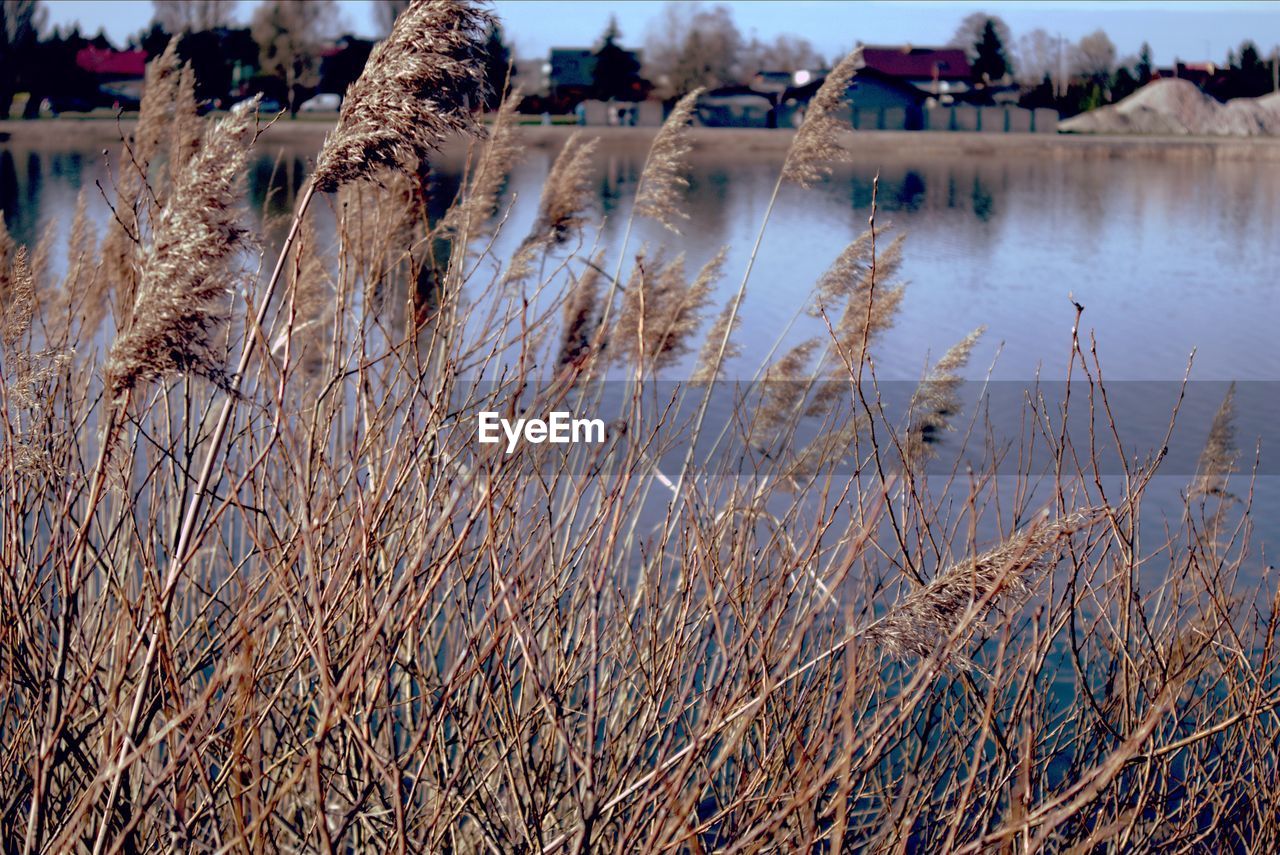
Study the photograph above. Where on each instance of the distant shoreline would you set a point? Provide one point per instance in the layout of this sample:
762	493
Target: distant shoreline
309	133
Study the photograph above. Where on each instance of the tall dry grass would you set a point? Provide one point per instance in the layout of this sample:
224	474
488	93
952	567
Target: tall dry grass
263	591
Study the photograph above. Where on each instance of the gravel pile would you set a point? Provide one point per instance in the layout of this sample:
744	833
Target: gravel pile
1179	107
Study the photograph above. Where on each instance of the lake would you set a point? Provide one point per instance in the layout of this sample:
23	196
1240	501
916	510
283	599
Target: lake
1167	255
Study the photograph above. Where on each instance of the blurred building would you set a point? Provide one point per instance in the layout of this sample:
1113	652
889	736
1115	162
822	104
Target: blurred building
941	72
119	74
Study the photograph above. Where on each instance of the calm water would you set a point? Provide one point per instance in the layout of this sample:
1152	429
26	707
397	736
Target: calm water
1166	256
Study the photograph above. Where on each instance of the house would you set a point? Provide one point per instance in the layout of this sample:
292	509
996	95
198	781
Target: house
569	73
940	72
881	102
876	100
119	73
1202	74
736	107
570	69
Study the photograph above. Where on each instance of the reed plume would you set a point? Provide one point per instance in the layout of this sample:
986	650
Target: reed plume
18	306
311	304
7	247
123	236
817	142
385	226
862	282
663	179
567	194
784	391
185	126
30	373
581	315
185	271
80	295
936	400
1218	459
711	361
925	618
661	309
419	86
479	202
850	276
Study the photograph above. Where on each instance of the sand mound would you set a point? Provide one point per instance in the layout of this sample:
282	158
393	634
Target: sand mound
1179	107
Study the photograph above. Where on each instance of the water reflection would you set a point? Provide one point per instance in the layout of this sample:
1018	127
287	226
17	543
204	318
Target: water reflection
20	185
1166	255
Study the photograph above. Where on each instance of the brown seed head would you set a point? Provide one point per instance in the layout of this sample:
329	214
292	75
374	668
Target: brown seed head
419	86
663	180
920	622
186	271
817	144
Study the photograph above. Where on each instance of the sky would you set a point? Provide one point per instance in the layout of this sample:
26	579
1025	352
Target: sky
1192	30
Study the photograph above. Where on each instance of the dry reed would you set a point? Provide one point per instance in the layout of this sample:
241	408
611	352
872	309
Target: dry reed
417	89
187	272
324	618
817	143
936	401
1218	459
662	181
965	592
567	194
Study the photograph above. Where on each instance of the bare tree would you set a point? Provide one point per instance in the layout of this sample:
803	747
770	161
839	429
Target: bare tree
290	34
385	13
785	53
1038	54
690	45
1094	56
20	24
193	16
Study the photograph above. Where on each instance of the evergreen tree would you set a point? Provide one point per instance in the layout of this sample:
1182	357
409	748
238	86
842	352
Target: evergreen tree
1124	84
1143	70
617	72
1253	76
991	61
498	68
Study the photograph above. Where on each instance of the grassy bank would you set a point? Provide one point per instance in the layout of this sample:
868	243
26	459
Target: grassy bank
309	133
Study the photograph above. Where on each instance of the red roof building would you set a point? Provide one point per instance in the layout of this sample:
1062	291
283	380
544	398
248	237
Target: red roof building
114	64
933	70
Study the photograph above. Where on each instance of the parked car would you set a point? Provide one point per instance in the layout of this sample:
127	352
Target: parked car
325	102
266	107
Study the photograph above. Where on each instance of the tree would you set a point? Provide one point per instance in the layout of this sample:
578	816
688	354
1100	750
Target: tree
498	67
1144	70
1251	75
60	80
218	57
990	62
1039	55
289	34
969	33
1124	83
617	71
385	13
192	16
785	53
1094	57
1250	60
691	45
20	24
